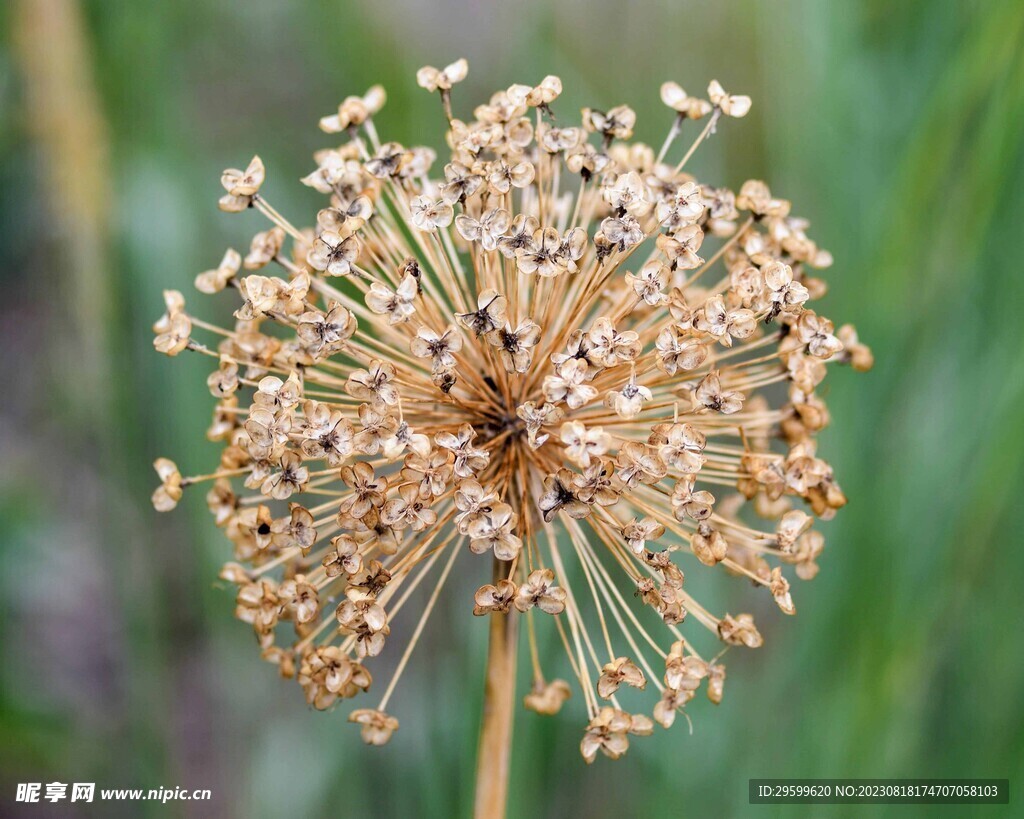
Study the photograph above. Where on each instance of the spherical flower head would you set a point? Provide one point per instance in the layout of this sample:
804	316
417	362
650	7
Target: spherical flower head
573	397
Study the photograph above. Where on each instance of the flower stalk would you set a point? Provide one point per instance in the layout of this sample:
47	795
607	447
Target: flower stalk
494	752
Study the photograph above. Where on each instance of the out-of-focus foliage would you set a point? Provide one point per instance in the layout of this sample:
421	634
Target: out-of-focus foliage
897	127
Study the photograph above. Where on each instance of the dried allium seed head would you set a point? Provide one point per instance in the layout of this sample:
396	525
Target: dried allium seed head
519	353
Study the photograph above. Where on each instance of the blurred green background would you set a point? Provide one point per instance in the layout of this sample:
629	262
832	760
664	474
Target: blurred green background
896	126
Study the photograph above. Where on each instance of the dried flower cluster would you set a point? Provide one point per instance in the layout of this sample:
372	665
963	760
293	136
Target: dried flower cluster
522	353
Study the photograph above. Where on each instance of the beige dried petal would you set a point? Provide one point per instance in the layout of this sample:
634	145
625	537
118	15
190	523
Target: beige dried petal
213	281
167	495
731	106
547	698
740	630
376	727
432	79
